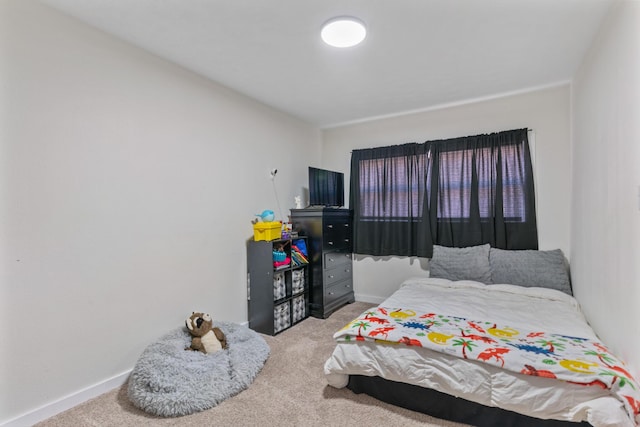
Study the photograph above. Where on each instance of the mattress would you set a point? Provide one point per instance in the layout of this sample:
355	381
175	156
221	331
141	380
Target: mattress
527	308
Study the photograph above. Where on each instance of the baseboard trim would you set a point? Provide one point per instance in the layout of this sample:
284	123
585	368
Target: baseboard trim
51	409
373	299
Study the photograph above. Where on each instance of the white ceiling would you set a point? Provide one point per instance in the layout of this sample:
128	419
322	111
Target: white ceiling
418	54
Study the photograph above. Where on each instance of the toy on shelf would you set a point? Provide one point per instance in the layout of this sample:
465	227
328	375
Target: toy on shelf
281	258
266	215
287	231
265	228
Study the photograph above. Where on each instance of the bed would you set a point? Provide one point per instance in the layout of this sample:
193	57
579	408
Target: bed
487	352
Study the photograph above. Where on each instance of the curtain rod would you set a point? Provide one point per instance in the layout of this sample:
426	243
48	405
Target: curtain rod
528	130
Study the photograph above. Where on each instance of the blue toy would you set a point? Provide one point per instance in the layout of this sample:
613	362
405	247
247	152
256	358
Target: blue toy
266	216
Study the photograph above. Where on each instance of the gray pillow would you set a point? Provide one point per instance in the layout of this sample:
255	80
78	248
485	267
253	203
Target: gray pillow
470	263
545	269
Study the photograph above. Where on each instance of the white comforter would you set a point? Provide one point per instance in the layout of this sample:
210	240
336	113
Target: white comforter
530	308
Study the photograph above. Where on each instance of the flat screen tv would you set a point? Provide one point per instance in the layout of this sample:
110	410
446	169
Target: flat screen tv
326	188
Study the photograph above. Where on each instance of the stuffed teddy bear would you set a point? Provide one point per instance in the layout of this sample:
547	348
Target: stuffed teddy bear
205	337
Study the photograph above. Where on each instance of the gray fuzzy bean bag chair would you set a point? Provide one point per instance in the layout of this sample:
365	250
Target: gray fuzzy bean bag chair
170	381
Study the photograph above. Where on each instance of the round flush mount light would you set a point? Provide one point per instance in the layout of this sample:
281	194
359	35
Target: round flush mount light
345	31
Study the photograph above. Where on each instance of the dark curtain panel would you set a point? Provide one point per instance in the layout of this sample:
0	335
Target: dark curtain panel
388	195
483	191
456	192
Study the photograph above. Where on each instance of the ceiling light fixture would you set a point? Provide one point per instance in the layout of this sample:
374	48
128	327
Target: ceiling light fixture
344	31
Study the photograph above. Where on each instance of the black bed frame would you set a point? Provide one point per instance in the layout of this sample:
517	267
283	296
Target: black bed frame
444	406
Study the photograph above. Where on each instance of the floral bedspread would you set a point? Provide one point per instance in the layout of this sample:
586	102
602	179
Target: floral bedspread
576	360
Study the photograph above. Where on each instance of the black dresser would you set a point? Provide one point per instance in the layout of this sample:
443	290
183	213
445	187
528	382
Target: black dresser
328	232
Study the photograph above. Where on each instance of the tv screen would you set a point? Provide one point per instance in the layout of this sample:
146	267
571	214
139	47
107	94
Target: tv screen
326	188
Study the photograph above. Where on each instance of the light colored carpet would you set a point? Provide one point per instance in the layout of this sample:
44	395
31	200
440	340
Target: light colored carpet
289	391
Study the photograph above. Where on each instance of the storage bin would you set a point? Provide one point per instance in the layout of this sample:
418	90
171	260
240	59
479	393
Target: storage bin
279	286
299	308
297	281
267	230
279	256
281	317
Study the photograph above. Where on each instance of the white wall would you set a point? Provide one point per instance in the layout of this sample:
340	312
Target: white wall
127	186
546	111
605	216
127	189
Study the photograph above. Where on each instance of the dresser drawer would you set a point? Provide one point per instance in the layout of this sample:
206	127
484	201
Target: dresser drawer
335	259
337	226
337	235
337	274
337	291
330	242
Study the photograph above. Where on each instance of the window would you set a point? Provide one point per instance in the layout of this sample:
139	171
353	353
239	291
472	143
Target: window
456	178
392	188
457	192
